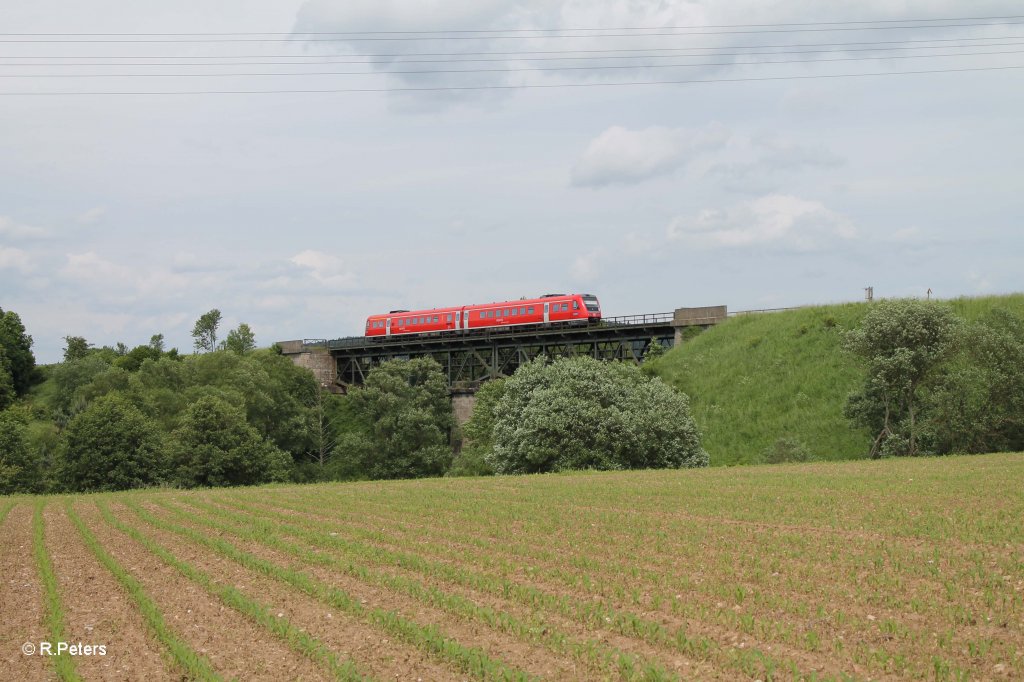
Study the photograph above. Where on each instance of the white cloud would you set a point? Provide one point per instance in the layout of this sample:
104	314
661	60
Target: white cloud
89	267
325	268
11	229
774	219
619	155
92	216
16	259
586	267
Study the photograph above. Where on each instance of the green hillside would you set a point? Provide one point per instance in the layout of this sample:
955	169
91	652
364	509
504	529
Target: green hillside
760	377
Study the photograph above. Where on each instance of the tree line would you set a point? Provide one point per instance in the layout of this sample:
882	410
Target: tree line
114	417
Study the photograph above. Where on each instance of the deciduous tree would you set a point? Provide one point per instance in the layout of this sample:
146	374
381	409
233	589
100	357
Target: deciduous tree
901	341
214	446
111	445
205	331
240	340
404	419
17	347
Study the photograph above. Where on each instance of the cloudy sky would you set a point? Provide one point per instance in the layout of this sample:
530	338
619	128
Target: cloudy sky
758	167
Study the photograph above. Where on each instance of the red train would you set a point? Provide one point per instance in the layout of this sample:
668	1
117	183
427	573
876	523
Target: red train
551	309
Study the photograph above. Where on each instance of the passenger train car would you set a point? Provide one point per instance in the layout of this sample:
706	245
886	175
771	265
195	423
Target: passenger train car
551	309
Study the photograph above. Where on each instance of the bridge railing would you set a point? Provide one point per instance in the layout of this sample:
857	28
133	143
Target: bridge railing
734	313
645	318
346	342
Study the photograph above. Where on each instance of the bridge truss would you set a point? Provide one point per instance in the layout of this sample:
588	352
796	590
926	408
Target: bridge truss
469	359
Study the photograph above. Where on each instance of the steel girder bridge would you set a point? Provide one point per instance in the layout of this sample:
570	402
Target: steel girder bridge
469	359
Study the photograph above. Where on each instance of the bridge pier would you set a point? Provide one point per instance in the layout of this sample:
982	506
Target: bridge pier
316	358
463	400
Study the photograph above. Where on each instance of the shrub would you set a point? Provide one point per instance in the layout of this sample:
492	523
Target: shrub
786	449
215	446
579	413
111	445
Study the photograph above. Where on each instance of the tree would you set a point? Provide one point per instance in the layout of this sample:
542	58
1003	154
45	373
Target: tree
111	445
321	427
7	392
977	402
654	350
902	341
205	331
20	470
69	379
156	342
241	340
579	413
17	347
214	446
77	348
403	417
133	359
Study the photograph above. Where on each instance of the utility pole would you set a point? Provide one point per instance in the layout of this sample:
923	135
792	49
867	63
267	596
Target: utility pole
869	293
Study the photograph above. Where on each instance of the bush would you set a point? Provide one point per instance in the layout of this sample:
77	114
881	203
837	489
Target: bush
579	413
215	446
111	445
786	449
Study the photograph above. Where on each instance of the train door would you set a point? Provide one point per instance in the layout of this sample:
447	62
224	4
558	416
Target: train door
387	327
458	319
546	316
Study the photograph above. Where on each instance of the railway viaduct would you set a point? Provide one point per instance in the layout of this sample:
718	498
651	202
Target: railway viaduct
467	360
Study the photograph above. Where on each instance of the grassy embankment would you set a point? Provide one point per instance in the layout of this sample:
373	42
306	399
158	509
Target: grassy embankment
761	377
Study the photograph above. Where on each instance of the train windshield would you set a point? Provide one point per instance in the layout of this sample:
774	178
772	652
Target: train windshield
590	301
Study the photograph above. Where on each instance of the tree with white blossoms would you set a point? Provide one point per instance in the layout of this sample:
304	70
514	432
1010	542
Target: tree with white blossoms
580	413
902	342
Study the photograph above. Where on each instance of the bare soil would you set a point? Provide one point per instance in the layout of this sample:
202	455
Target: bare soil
99	611
534	659
235	646
373	651
21	600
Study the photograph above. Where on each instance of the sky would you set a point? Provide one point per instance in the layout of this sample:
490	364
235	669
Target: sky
760	165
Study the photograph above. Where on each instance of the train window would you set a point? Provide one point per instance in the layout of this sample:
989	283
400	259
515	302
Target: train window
565	307
499	313
575	305
515	312
436	319
448	317
481	314
531	310
506	312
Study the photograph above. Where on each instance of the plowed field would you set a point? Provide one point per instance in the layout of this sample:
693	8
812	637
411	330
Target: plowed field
909	569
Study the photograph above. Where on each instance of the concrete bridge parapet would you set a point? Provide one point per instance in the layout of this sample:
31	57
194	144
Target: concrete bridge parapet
705	317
